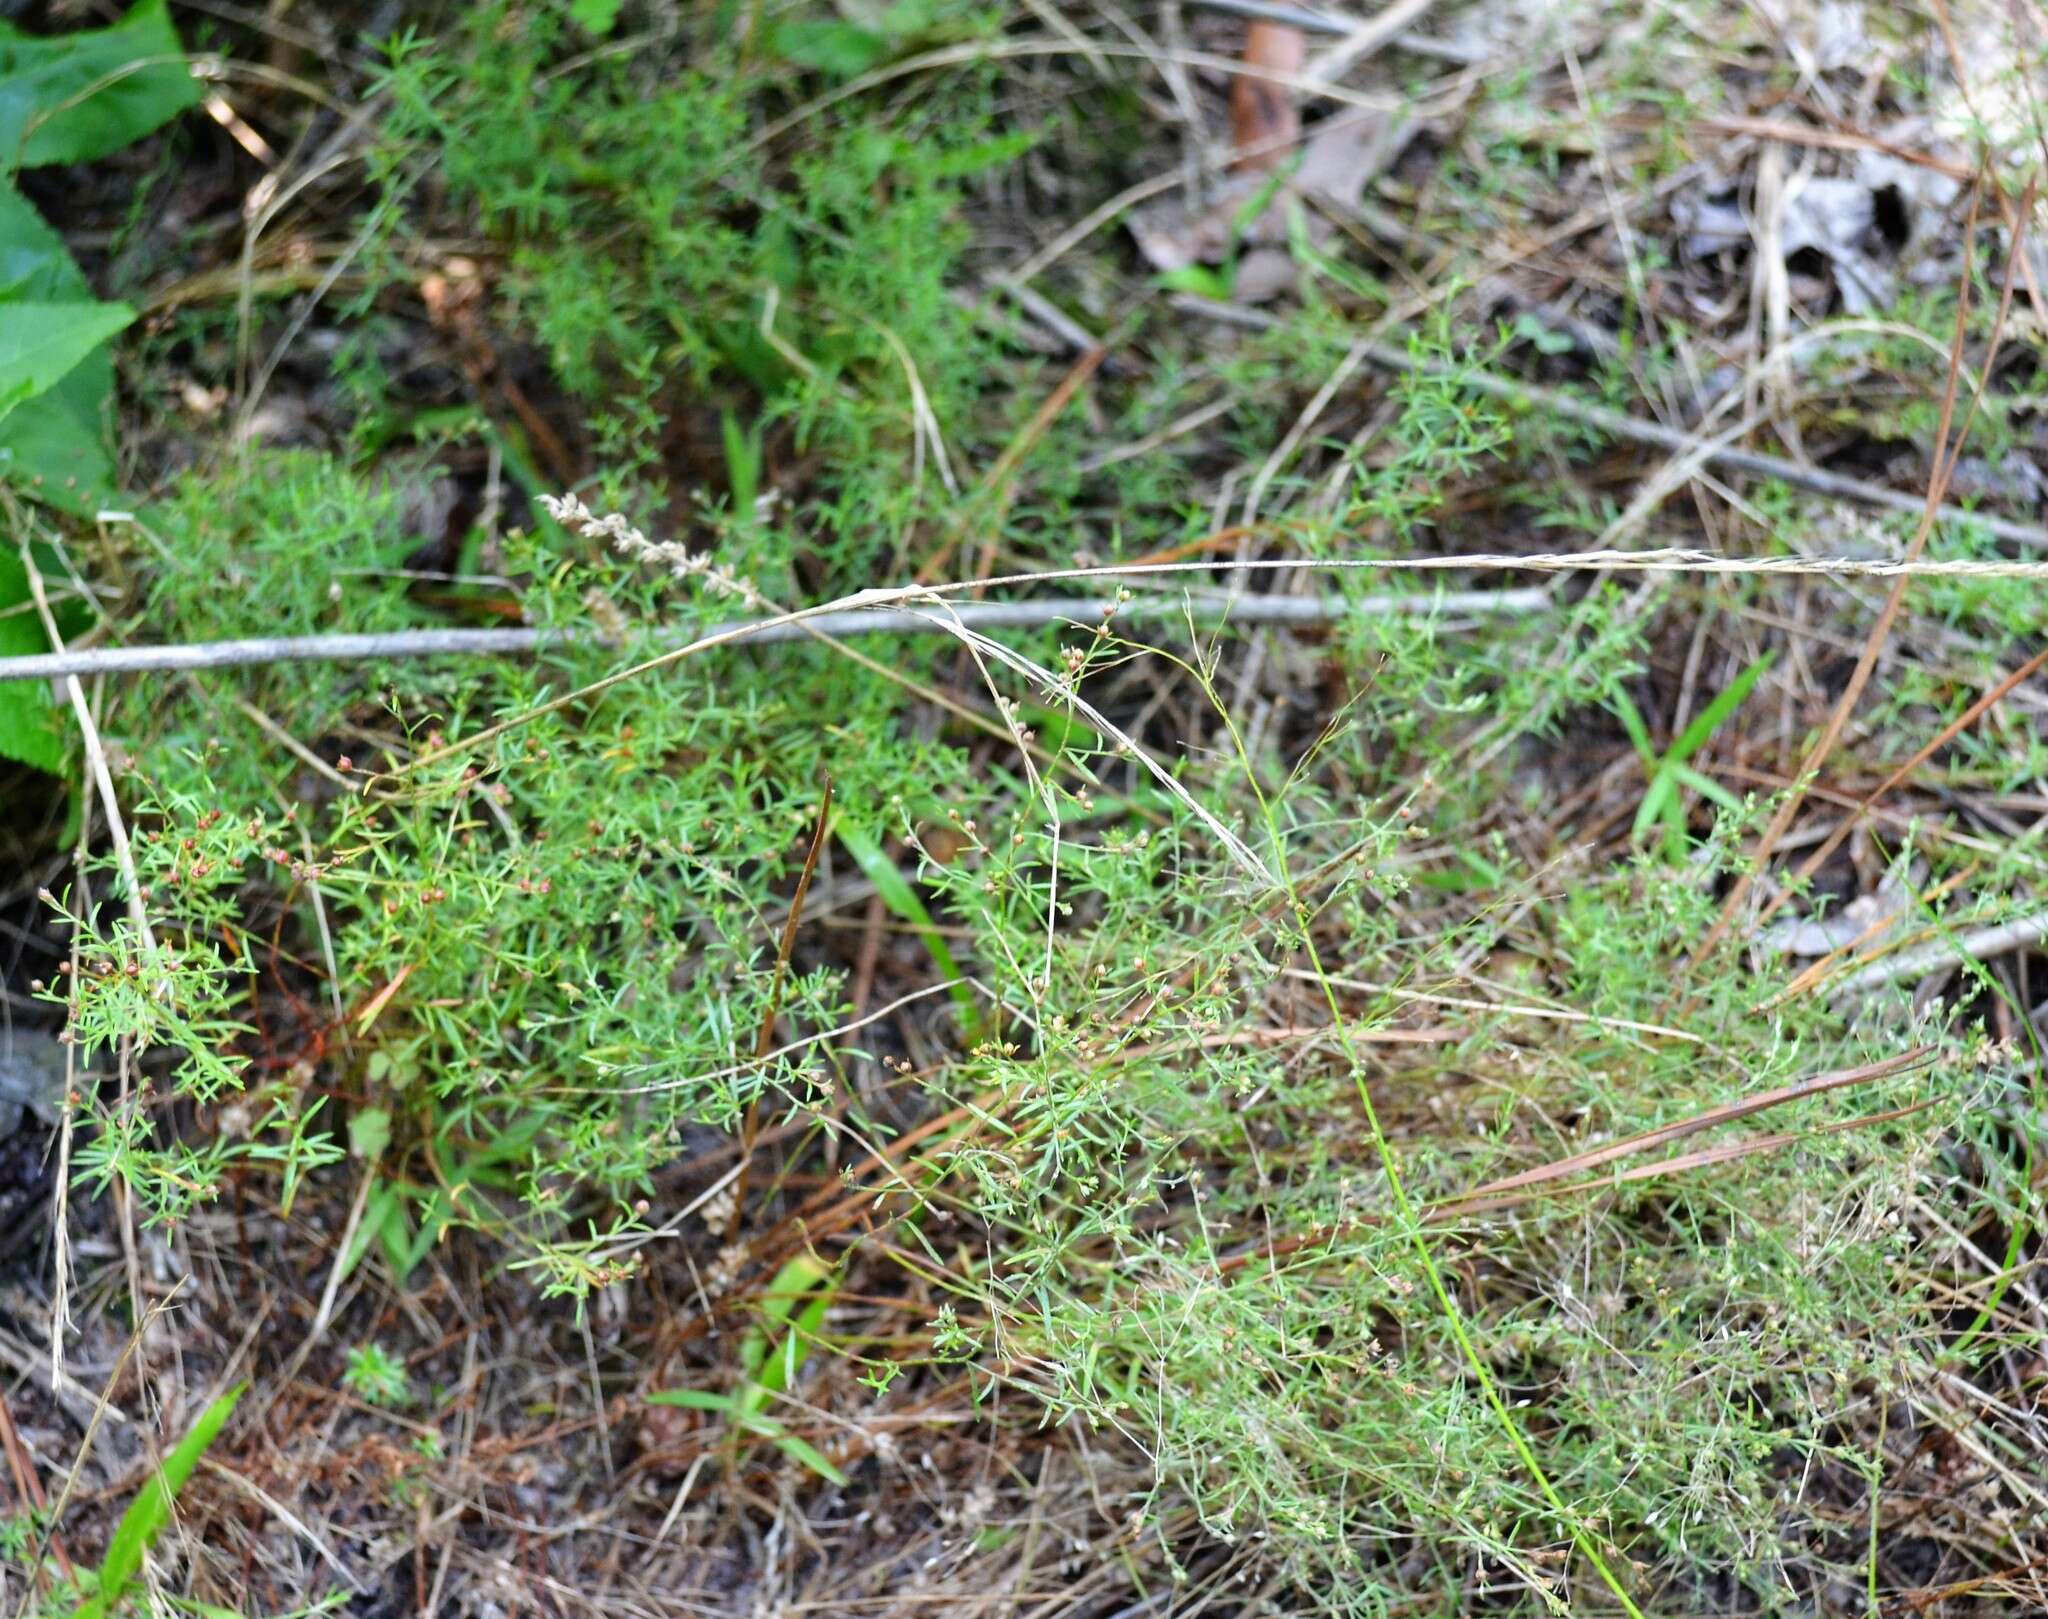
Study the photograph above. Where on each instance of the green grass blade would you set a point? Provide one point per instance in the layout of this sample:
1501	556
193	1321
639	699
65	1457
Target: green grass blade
1707	788
905	905
1709	719
778	1303
693	1399
781	1367
803	1281
804	1451
1652	807
801	1450
1631	719
151	1509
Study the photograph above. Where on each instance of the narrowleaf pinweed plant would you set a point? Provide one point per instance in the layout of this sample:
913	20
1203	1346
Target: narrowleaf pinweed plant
550	953
1244	1002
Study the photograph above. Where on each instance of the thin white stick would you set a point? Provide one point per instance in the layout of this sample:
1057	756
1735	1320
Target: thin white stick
1979	946
878	610
1728	457
1361	41
96	758
1308	21
1306	611
1556	1014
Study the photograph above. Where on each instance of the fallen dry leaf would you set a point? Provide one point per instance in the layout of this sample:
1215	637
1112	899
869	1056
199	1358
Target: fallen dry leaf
1264	121
1869	224
1338	160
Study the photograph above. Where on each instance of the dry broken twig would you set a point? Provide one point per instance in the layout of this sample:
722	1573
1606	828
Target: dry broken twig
1727	458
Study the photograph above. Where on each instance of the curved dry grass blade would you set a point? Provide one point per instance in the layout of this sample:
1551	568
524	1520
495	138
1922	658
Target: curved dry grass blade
1699	1158
1051	684
1726	1113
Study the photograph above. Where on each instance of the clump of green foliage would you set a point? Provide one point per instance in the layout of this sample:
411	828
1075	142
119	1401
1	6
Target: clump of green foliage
671	263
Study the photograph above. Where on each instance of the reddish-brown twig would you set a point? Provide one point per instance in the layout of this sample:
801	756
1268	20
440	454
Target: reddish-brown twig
764	1041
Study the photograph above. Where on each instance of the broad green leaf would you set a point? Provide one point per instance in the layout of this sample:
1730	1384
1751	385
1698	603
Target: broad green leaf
829	46
30	728
41	344
57	451
34	262
71	98
151	1509
598	17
